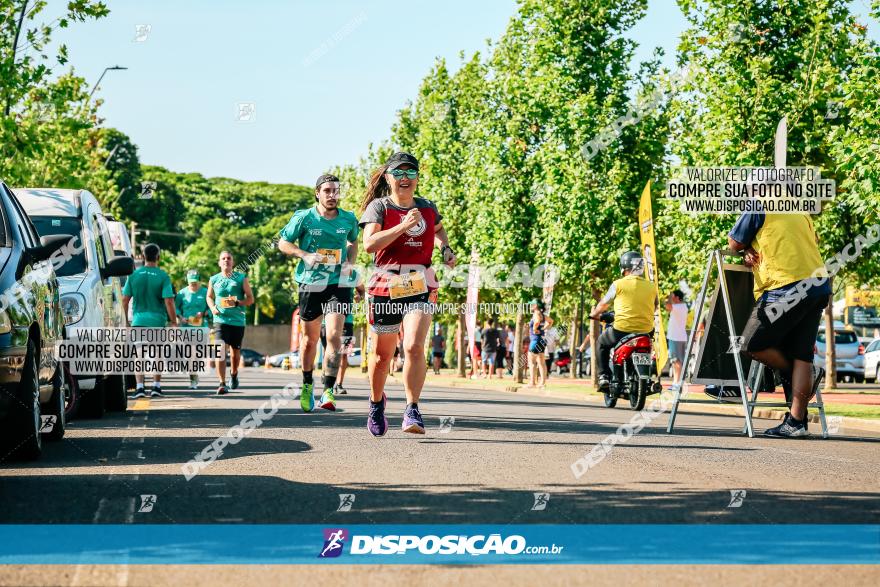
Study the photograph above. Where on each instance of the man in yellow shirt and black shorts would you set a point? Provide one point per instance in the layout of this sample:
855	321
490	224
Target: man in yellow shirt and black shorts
791	291
635	300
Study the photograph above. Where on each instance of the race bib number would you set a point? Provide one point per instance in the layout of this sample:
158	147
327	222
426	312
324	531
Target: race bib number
329	256
227	302
406	285
195	320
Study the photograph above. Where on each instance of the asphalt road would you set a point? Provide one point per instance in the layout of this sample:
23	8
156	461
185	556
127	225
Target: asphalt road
502	449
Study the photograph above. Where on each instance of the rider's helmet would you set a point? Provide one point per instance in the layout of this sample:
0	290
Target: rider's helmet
633	262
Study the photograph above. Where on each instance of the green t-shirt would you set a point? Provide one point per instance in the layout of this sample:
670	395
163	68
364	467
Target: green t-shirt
148	288
314	232
189	303
224	287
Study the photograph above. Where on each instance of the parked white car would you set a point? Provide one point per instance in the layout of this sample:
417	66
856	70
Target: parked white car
119	238
872	360
90	281
122	248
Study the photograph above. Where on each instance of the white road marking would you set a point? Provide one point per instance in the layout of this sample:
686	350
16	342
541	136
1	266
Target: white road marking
108	509
131	454
100	511
219	496
132	506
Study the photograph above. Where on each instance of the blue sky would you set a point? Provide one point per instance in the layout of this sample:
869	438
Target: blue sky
325	77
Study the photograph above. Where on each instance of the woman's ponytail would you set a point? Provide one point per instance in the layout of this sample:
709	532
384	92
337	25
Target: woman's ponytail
377	187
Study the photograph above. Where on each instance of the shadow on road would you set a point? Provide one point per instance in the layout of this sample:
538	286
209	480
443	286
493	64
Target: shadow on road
270	500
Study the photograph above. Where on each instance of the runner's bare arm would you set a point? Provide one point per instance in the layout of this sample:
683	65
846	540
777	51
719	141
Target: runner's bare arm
210	299
290	249
442	240
248	294
352	252
172	311
126	300
376	239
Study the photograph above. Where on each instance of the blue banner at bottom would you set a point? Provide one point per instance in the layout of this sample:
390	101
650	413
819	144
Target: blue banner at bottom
439	544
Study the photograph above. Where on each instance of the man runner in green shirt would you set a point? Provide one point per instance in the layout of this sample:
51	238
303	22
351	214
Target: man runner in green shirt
192	310
228	293
324	239
153	296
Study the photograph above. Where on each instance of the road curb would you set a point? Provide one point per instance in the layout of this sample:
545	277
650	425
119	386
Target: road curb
592	398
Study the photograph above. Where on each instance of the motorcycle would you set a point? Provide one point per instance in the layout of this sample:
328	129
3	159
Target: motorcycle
562	362
633	368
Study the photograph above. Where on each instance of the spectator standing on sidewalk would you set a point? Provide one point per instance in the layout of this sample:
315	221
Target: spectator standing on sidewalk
676	331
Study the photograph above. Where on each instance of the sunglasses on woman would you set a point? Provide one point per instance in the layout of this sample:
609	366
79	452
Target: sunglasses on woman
408	173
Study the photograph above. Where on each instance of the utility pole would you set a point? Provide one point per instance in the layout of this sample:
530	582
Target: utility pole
24	6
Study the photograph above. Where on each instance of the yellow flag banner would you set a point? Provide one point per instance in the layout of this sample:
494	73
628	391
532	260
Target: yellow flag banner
649	252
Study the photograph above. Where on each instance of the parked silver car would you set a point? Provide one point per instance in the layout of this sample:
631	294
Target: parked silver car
850	354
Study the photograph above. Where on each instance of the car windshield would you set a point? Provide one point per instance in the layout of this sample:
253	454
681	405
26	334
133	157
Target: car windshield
48	226
840	337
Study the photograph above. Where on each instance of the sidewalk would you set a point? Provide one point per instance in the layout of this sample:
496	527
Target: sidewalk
857	405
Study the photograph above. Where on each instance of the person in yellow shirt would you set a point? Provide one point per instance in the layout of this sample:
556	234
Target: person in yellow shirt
635	300
791	291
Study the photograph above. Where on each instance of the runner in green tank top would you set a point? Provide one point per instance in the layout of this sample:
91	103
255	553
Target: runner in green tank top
193	311
228	293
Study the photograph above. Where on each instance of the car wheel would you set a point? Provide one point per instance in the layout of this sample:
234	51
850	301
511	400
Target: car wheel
115	393
58	405
25	414
859	378
91	402
71	395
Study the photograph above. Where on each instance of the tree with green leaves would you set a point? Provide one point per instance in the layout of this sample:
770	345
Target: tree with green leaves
48	126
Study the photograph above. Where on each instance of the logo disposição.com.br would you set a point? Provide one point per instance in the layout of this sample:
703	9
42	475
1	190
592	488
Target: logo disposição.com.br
394	544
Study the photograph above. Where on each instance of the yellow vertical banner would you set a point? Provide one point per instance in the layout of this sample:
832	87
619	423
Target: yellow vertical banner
649	252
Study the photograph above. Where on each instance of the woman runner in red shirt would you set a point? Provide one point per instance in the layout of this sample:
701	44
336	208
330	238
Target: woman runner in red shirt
400	230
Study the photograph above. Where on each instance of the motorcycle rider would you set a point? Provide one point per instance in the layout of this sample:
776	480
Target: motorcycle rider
635	300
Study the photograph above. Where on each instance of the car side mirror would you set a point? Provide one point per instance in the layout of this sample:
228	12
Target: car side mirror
48	245
118	267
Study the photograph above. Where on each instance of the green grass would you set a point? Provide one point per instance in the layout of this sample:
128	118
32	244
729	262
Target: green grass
559	385
852	410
